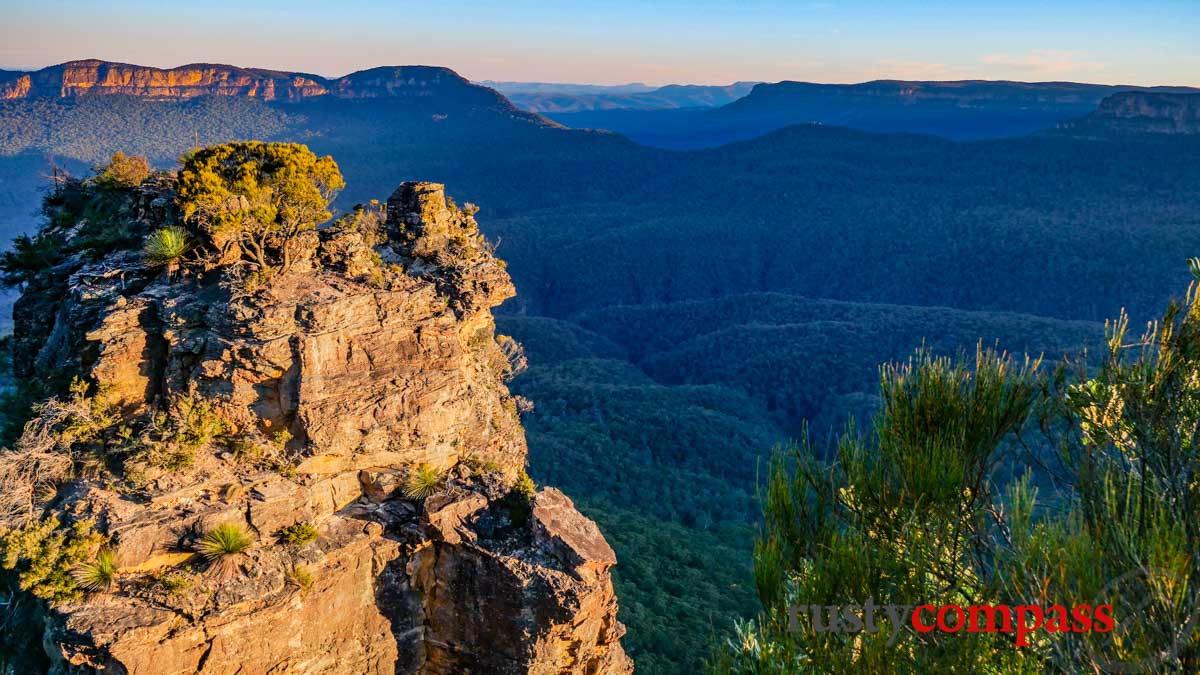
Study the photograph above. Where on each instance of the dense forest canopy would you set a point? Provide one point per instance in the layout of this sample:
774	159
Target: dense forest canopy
684	311
1094	570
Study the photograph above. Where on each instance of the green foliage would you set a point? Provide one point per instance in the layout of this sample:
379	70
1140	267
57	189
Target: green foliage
601	222
301	576
85	419
81	426
809	360
251	199
922	515
123	171
29	256
166	246
678	587
89	130
369	220
91	217
256	452
224	547
174	582
170	440
299	534
101	216
422	482
667	473
519	502
45	555
479	468
99	574
896	517
525	487
686	454
194	422
1126	528
21	398
223	542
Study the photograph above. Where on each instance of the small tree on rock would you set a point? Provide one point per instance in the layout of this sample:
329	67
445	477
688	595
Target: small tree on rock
123	171
250	201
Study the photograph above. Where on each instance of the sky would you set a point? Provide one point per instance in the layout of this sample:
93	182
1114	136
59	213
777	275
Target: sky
1145	42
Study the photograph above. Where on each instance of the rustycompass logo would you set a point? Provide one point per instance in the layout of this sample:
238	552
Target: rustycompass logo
1125	629
1022	621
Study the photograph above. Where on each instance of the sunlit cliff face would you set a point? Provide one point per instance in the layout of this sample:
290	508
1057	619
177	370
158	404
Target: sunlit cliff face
94	77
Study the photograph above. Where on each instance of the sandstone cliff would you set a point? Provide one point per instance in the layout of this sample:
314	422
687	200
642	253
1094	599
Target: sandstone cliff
1142	113
373	359
94	77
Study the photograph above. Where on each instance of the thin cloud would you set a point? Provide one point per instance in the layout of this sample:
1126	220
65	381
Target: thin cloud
913	70
1045	62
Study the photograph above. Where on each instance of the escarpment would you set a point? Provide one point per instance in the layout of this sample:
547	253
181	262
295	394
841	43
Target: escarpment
319	474
93	77
1141	112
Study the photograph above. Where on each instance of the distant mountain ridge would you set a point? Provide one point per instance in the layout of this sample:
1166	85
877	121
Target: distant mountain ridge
954	108
545	99
93	77
958	110
962	91
508	87
1142	112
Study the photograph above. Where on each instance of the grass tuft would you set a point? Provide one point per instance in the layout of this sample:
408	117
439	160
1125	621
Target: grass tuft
98	575
423	482
302	577
166	246
223	547
224	540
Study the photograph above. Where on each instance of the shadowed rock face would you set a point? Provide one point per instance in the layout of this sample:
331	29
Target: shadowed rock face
1143	113
1151	112
377	359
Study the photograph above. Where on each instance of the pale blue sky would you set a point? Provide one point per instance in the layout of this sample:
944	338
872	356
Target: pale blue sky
617	41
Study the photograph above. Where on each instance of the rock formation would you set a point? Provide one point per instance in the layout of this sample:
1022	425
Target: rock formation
93	77
371	361
1142	112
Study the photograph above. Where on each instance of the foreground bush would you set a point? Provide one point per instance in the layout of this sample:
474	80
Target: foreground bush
45	555
925	508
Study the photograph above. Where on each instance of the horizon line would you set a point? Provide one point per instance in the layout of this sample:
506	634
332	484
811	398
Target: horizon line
485	81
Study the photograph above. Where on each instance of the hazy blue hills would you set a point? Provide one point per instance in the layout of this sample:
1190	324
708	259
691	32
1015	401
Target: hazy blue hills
510	88
964	110
670	97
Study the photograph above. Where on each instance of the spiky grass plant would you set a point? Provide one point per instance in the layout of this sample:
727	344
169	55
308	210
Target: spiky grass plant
166	246
223	547
98	575
423	482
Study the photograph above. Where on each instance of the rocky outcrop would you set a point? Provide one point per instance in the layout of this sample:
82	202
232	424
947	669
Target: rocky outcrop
377	359
93	77
79	78
1142	112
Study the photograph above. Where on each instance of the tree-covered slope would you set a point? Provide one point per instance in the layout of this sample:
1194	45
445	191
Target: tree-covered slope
683	311
661	418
